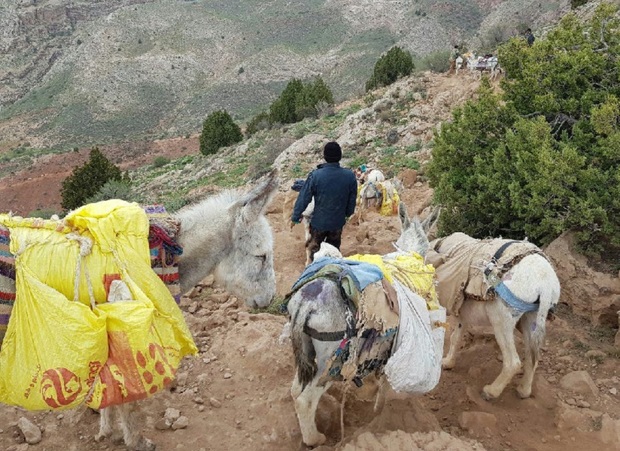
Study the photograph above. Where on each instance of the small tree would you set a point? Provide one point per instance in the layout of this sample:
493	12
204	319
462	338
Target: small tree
311	96
85	181
300	100
394	64
218	130
282	110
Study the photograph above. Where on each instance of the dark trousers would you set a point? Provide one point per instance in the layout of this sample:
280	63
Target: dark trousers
333	237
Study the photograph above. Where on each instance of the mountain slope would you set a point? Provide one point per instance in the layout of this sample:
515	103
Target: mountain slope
76	72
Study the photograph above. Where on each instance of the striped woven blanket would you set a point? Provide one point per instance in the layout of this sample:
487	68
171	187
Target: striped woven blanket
7	281
165	252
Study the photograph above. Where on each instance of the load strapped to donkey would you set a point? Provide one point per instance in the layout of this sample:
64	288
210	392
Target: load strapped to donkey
395	325
91	322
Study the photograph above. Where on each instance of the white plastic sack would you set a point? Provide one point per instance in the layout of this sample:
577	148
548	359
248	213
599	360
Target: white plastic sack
415	366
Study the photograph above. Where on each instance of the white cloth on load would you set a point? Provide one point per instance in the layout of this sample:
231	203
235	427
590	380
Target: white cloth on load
415	365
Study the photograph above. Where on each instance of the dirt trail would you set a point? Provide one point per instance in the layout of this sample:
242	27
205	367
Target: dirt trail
236	392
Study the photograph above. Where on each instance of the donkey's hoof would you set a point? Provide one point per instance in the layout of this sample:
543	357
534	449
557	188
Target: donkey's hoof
447	364
487	393
101	436
524	393
144	444
317	440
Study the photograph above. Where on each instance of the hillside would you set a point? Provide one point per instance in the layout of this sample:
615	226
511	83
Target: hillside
391	128
80	72
236	393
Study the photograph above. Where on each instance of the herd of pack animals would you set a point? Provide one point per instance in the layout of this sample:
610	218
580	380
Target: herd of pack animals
228	236
479	64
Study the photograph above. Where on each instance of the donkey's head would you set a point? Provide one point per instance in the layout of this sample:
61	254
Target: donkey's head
414	234
247	268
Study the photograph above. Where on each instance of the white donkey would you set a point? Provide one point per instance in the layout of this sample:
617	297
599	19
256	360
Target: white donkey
319	306
533	293
226	235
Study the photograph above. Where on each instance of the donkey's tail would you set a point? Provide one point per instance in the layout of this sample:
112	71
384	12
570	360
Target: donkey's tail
536	327
303	349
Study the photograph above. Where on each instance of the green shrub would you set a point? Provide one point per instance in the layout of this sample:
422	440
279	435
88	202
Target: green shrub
114	189
438	62
394	64
218	130
259	122
543	157
85	181
577	3
160	161
282	110
44	213
300	100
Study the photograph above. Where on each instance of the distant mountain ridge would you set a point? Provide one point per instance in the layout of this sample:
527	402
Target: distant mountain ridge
76	72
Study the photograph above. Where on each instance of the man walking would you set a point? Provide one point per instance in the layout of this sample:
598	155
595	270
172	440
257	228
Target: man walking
334	190
529	36
454	54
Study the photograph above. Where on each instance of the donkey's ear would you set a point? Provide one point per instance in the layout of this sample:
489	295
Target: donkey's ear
404	218
256	201
431	219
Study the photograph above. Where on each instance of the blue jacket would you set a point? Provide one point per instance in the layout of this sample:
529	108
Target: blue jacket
334	190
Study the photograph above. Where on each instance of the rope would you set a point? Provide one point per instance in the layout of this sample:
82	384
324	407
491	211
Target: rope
342	401
86	246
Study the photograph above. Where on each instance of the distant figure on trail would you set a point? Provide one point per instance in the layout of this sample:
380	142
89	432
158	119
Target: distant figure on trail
334	190
365	174
529	37
454	54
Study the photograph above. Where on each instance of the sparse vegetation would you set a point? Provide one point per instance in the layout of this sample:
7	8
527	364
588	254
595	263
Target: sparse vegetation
577	3
160	161
114	189
438	62
44	213
259	122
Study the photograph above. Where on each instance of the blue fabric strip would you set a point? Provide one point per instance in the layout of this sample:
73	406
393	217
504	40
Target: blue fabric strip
509	298
362	273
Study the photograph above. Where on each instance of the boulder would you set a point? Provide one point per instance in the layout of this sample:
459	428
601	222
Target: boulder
579	382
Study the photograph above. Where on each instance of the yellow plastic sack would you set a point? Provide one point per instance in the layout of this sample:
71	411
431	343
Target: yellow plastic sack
58	352
410	270
389	205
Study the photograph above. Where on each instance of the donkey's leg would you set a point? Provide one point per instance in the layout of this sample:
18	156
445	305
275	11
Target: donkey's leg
105	423
305	405
307	398
131	435
503	326
448	362
528	322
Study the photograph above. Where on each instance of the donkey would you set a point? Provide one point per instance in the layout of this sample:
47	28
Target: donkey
226	235
371	195
533	283
319	305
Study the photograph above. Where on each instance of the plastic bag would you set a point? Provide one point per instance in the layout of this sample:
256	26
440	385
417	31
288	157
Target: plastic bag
415	366
53	350
68	353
